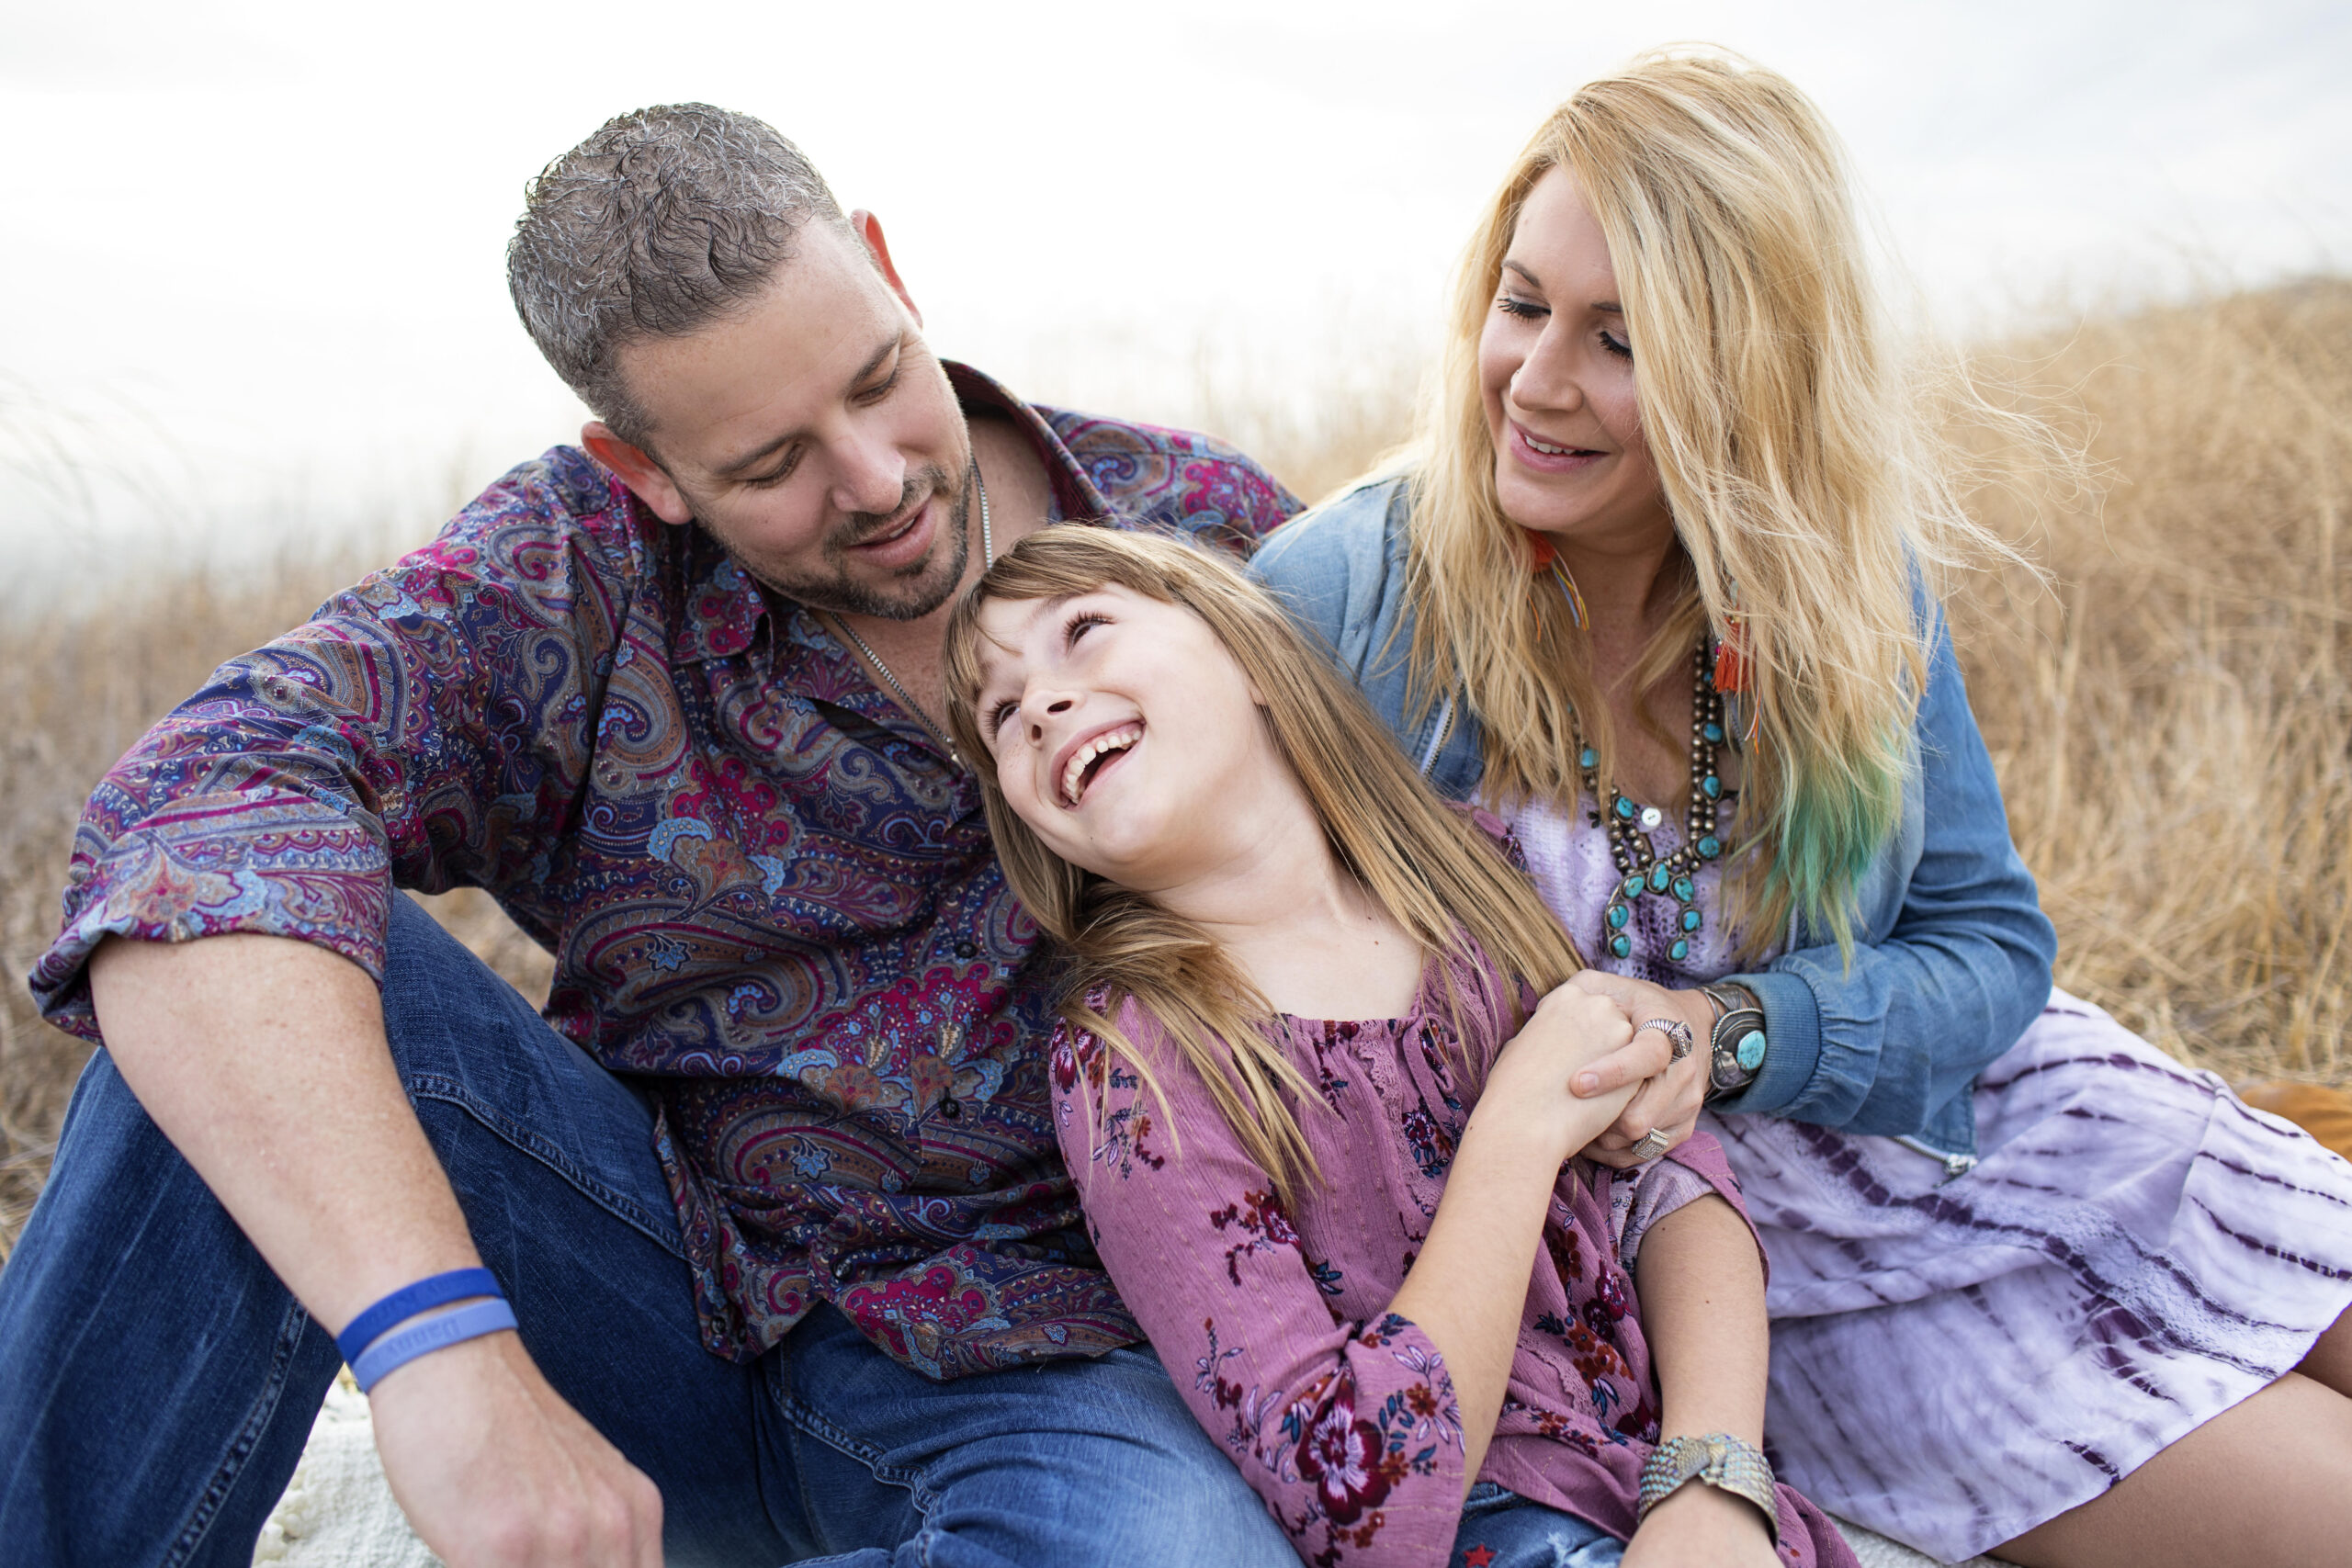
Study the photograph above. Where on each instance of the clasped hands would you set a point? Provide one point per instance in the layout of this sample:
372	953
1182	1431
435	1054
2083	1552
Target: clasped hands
1672	1093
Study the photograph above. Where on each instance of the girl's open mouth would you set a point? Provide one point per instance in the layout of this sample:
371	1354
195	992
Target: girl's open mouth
1086	763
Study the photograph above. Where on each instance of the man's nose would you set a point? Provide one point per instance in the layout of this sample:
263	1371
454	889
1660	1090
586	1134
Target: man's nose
869	475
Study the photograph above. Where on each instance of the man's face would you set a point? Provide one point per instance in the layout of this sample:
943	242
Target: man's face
815	437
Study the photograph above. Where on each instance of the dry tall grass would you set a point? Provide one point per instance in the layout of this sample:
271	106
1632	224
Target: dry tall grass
2170	719
2171	716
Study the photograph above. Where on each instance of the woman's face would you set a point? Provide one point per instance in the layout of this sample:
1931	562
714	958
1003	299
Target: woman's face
1557	373
1123	734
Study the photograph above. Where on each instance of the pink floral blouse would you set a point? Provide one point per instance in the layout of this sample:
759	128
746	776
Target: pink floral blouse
1274	1320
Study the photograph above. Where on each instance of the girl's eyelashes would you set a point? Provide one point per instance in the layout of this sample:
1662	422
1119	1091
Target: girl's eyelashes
1076	626
1617	347
999	714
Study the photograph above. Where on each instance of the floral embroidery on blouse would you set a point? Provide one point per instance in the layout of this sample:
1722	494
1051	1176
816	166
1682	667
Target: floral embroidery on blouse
1339	1412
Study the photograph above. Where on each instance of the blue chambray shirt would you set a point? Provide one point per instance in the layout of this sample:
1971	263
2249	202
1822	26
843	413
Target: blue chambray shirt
1953	953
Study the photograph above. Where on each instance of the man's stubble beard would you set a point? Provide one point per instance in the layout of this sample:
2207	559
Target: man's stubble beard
928	583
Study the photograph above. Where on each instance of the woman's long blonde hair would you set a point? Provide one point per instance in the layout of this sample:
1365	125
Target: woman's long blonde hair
1807	492
1435	872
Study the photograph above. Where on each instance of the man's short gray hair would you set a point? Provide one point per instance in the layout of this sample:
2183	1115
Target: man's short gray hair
657	225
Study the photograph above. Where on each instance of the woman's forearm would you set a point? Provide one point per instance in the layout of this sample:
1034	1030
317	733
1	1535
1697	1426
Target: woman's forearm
1702	1283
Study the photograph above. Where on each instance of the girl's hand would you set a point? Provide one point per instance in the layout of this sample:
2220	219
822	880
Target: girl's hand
1675	1091
1700	1524
1534	1082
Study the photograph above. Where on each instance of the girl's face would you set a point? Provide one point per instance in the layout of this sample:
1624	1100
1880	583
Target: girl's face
1557	373
1123	734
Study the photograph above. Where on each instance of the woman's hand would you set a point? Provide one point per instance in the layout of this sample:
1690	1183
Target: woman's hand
1698	1523
1675	1091
1541	1082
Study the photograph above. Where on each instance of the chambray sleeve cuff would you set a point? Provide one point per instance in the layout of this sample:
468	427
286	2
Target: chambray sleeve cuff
1792	1037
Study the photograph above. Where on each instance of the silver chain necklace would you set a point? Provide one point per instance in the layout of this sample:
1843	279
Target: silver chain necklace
988	557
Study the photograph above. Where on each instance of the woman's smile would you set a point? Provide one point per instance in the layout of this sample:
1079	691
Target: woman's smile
1549	458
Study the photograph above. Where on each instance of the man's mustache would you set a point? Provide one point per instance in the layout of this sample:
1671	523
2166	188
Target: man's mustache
858	528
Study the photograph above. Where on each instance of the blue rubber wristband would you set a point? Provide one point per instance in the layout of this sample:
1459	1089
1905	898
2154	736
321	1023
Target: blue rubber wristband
432	1291
396	1351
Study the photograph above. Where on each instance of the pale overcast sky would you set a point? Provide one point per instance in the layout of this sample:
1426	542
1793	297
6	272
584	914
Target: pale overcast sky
254	266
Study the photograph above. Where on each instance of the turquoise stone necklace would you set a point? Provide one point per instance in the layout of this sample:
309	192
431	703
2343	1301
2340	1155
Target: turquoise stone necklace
1640	870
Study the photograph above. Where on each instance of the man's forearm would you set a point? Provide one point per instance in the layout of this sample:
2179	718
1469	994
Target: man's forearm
263	1060
1702	1285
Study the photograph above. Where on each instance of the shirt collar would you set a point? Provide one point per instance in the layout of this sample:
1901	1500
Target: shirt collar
724	607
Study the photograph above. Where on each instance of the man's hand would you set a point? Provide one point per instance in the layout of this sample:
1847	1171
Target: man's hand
494	1471
266	1063
1674	1092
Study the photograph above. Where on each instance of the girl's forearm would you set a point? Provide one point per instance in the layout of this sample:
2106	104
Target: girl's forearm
1702	1285
1467	1289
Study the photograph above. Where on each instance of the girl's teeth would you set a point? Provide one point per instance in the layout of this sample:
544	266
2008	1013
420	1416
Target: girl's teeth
1115	740
1546	447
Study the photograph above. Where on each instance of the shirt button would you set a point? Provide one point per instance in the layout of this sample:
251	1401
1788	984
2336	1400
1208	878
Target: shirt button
966	950
951	1108
1652	817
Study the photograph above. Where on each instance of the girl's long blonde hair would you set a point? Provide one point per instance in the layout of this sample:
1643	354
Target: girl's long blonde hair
1806	491
1435	872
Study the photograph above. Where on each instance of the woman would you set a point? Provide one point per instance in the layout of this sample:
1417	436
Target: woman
1666	549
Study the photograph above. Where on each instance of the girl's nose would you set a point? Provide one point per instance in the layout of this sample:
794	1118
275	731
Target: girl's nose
1045	705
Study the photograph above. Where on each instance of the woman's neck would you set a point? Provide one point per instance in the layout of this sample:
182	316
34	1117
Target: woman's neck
1629	586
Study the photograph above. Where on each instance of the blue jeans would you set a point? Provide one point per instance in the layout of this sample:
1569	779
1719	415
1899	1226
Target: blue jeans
1503	1529
157	1382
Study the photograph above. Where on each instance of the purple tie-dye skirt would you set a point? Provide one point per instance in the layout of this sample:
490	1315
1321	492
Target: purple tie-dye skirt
1956	1359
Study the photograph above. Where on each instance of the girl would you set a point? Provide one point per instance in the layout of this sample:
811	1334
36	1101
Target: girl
1328	1157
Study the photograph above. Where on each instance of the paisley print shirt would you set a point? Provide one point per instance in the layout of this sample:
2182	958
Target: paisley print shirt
772	901
1274	1318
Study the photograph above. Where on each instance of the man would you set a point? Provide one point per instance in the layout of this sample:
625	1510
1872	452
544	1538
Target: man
774	1200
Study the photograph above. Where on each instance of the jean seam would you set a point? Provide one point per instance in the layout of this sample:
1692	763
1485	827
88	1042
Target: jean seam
232	1467
426	1085
834	1438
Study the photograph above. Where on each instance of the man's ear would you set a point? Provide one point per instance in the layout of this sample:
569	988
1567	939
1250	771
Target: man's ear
869	228
638	470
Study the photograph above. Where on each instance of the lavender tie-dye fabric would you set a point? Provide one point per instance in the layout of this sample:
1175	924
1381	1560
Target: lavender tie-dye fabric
1956	1359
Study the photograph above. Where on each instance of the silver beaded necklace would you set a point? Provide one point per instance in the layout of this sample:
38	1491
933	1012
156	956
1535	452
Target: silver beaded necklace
987	557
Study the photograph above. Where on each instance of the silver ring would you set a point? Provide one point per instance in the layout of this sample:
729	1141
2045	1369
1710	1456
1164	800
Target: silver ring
1676	1032
1655	1142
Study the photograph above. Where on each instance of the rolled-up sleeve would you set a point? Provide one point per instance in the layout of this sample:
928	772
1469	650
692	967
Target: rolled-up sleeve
428	727
1878	1040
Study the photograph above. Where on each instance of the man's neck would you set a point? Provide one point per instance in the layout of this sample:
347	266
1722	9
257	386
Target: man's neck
1019	494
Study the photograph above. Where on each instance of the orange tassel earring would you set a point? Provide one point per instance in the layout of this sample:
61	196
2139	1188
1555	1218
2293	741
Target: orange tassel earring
1540	548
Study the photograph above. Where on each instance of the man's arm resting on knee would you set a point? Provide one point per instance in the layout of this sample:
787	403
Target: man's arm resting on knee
264	1061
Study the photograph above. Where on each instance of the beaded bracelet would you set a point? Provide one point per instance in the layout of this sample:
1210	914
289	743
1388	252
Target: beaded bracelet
1719	1460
